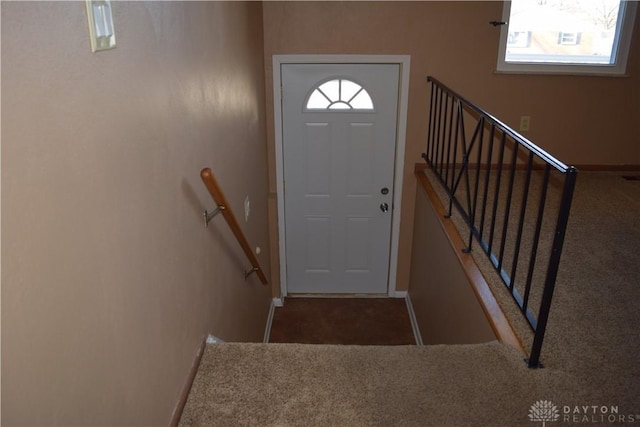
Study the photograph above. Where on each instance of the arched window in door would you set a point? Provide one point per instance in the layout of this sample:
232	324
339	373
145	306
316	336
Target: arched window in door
339	94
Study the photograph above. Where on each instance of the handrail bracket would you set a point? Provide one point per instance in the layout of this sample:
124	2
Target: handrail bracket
248	273
208	216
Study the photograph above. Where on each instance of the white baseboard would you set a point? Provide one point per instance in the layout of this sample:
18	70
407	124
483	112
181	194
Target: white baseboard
400	294
414	321
275	302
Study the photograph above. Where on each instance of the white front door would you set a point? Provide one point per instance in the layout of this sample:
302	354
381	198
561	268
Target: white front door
339	140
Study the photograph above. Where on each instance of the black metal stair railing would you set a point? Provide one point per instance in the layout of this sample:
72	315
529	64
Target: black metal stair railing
513	197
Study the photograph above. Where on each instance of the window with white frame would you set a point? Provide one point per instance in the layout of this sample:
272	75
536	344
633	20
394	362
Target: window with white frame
566	36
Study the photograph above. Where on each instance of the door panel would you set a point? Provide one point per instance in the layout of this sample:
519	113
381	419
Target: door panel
318	159
336	161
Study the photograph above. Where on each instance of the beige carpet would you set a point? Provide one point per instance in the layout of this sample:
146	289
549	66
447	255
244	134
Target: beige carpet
591	353
306	385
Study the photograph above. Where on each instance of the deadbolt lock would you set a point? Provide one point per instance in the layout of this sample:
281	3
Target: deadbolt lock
384	190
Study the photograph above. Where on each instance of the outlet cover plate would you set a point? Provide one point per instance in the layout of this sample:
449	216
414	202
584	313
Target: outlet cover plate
247	208
101	30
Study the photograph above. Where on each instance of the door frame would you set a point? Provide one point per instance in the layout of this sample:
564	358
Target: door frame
404	61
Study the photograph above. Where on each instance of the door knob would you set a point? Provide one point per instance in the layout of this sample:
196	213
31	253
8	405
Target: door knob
384	207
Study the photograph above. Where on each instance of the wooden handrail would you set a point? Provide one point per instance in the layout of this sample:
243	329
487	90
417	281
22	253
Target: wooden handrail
218	196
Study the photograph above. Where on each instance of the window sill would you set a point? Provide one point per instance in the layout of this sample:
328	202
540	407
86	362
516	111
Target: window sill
572	73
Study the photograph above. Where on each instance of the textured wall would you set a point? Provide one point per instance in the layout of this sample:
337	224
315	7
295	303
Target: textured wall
109	279
582	120
446	307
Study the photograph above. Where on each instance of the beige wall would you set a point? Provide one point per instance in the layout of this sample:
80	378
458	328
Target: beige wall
581	120
109	279
446	307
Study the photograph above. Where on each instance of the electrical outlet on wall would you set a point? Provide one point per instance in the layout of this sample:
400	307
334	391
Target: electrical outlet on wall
101	31
525	122
247	209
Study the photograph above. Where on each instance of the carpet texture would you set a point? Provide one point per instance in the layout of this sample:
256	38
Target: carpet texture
311	385
591	351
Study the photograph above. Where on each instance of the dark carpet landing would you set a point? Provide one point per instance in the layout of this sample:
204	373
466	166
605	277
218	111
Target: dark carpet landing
347	321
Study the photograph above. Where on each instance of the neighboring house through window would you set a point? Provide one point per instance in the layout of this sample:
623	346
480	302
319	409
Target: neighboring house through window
566	36
519	39
569	38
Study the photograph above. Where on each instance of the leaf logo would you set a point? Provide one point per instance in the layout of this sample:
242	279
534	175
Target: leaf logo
543	411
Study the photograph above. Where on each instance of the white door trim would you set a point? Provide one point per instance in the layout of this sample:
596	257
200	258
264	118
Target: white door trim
405	63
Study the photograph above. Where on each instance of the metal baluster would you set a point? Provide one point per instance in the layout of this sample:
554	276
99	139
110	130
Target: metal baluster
554	263
436	136
536	235
446	173
486	182
523	212
507	210
444	135
459	123
475	190
431	121
496	197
